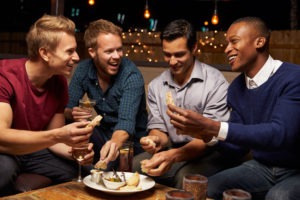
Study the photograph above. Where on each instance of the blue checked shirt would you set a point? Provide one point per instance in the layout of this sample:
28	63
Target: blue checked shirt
122	106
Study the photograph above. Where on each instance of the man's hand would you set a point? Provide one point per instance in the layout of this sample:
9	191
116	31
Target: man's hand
190	123
151	144
74	134
160	163
81	114
109	152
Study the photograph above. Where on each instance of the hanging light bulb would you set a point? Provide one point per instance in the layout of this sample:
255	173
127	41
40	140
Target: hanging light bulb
215	18
147	12
91	2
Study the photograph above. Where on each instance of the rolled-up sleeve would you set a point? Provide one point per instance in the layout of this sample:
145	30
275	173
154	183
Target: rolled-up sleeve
155	120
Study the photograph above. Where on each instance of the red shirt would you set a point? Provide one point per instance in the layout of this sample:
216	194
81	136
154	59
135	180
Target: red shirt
32	109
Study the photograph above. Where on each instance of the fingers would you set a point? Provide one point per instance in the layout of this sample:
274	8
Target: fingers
147	145
162	168
174	109
109	152
81	114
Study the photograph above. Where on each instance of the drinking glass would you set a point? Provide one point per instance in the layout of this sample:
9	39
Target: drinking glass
126	157
179	195
78	154
236	194
87	104
196	184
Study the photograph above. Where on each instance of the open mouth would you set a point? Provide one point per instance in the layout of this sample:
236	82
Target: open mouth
231	59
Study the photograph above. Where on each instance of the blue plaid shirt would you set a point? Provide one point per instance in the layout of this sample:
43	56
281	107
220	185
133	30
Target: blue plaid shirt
122	106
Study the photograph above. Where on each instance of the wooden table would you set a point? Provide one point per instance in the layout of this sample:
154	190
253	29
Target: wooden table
74	190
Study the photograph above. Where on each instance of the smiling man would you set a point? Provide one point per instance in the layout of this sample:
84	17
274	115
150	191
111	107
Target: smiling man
264	119
33	95
118	88
192	85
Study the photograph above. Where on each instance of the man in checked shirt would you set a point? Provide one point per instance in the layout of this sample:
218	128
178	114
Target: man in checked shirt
118	88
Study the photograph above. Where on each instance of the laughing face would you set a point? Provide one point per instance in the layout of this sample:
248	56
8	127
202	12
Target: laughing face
179	58
64	57
242	47
108	53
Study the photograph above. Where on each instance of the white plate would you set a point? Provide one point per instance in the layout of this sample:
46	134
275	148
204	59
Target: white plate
145	183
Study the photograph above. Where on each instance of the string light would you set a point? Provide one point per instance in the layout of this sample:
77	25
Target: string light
215	18
147	12
91	2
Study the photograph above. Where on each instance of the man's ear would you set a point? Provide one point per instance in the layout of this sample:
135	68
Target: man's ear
92	52
44	53
195	48
260	42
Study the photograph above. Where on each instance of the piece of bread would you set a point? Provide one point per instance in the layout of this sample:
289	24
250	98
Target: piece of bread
134	179
169	98
130	188
145	170
153	144
100	165
95	121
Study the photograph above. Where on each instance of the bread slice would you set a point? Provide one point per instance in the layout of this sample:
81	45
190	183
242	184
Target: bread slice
95	121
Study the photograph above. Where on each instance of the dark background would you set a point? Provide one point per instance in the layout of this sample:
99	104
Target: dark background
18	15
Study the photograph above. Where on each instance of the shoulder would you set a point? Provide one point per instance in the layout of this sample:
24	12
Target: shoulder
127	66
11	65
159	80
83	67
128	70
210	71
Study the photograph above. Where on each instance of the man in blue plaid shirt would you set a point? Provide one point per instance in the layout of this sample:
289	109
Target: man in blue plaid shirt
118	88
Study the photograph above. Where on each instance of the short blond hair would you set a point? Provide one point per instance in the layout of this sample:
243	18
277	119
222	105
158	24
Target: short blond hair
45	32
99	26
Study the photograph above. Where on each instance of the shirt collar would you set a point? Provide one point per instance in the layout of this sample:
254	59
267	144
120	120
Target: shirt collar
268	69
196	74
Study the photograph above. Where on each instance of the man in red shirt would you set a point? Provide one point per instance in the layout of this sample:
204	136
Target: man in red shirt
33	95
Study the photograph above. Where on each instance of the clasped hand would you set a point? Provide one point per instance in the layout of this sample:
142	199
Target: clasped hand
188	122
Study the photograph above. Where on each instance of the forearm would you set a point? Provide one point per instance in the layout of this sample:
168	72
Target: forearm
119	137
61	150
18	142
163	137
189	151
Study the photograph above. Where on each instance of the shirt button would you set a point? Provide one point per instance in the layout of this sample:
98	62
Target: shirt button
104	114
103	99
96	83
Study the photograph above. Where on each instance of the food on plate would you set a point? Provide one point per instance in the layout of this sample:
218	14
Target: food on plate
95	121
169	98
113	183
130	188
96	175
100	165
133	180
151	142
145	170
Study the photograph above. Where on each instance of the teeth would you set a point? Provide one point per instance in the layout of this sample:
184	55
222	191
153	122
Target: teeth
231	57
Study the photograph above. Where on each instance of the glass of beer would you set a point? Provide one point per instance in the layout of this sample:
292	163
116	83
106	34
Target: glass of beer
196	184
236	194
87	104
126	157
78	154
179	195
